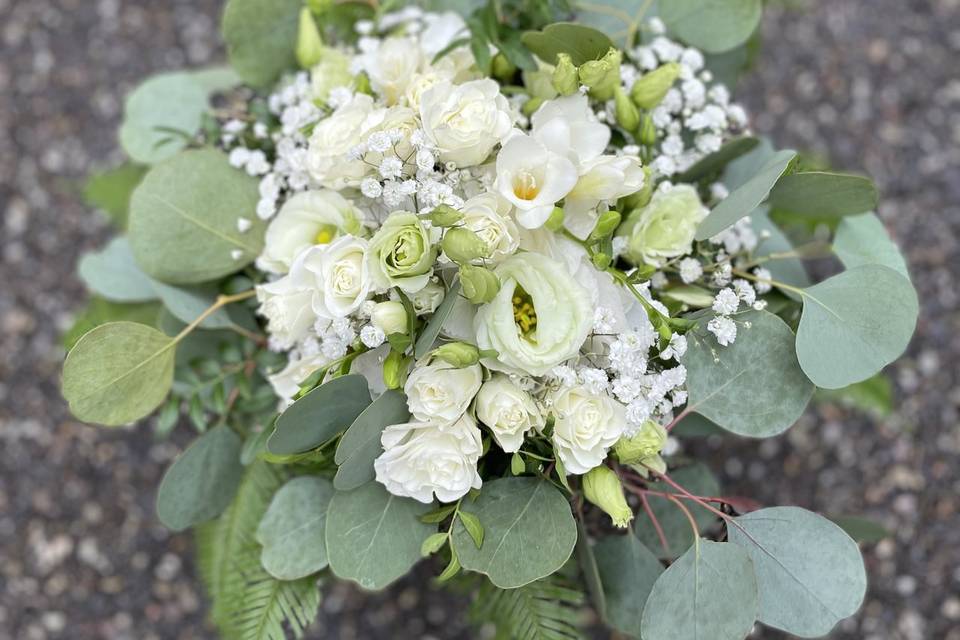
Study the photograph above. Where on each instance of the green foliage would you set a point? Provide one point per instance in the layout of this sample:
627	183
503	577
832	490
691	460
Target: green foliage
360	445
430	332
110	191
619	19
261	37
863	530
581	43
161	116
546	609
873	395
628	571
292	531
695	478
113	274
714	26
823	194
864	240
320	415
785	269
715	162
187	303
99	311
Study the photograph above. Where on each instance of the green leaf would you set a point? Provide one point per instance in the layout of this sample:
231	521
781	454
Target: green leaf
320	415
715	162
819	194
755	386
695	425
619	19
374	537
628	571
692	295
864	240
430	332
517	465
110	191
809	571
187	303
99	311
712	25
695	478
874	396
360	445
161	115
118	373
530	532
581	43
202	481
854	324
261	37
740	171
862	530
113	273
473	526
747	197
183	219
547	609
788	270
292	531
710	592
216	79
587	560
433	543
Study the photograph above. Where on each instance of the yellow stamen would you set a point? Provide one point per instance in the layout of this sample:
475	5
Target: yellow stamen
325	234
525	186
524	313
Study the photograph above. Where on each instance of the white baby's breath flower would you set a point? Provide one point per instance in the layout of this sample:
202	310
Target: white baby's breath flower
764	277
690	270
371	336
726	302
724	329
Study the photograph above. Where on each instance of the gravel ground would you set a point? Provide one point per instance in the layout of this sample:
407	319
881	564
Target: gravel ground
871	84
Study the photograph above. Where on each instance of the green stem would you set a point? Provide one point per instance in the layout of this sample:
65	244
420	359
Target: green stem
221	301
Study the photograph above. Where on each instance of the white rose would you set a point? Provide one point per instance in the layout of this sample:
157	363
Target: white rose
286	304
328	159
509	412
665	227
423	459
341	279
533	178
465	122
392	66
440	391
390	317
286	382
603	179
486	216
308	218
539	318
586	426
428	299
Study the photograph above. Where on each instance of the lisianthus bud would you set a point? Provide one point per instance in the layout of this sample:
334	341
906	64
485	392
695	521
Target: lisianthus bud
565	76
642	197
539	84
602	487
309	43
601	260
627	115
555	221
649	89
463	246
530	106
390	317
648	131
503	69
395	370
606	225
645	443
457	354
602	76
361	84
444	216
480	285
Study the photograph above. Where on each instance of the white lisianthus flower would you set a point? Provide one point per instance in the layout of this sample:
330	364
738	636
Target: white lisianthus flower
441	392
392	66
328	159
665	227
465	122
486	216
287	305
587	425
341	277
423	459
509	412
308	218
603	179
533	178
539	318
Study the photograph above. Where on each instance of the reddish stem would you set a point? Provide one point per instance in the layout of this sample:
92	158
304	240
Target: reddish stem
680	416
655	521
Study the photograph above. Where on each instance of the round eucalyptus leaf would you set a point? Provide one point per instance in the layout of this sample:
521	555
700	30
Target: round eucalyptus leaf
187	303
712	25
628	571
616	18
118	373
161	115
820	193
216	79
581	43
755	386
360	445
710	592
529	532
854	324
113	273
738	172
201	482
864	240
183	219
320	415
293	529
373	536
810	572
698	480
261	37
788	270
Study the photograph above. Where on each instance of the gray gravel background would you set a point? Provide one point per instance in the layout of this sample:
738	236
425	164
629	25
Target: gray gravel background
871	84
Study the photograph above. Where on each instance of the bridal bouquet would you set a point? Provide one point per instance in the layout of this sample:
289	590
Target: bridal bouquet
459	284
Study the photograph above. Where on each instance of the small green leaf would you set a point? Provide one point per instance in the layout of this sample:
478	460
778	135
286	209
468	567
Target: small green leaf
689	294
360	445
453	568
628	571
862	530
429	334
320	415
201	482
517	465
581	43
874	396
715	162
433	544
819	194
864	240
293	529
113	274
438	515
713	26
261	37
472	524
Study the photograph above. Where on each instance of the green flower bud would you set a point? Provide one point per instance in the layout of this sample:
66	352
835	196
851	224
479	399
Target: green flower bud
627	115
395	369
649	90
457	354
539	84
601	260
443	216
503	69
555	221
602	487
606	225
602	76
530	106
361	83
480	285
646	443
464	246
309	43
648	131
390	317
642	197
565	76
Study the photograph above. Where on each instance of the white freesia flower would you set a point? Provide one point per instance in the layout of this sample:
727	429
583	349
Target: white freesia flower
286	304
568	126
465	122
486	215
509	412
341	278
587	425
328	159
392	66
602	179
307	218
538	319
423	459
533	178
441	392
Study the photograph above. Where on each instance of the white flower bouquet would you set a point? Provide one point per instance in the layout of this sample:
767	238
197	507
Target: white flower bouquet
456	285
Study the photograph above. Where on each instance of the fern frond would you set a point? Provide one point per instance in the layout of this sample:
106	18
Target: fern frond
547	609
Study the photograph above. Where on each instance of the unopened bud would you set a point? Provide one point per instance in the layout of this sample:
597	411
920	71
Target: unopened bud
602	487
606	225
503	69
602	76
640	198
361	83
601	260
628	116
464	246
480	285
555	221
444	216
648	91
648	131
646	443
395	369
530	106
457	354
309	43
565	76
390	317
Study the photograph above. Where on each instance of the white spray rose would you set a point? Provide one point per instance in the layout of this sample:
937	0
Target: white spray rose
539	318
441	392
509	412
287	305
587	425
308	218
390	317
333	138
465	122
428	299
340	277
423	459
665	227
487	217
392	66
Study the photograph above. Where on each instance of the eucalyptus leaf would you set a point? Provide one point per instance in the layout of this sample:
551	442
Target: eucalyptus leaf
695	478
861	529
854	324
187	303
374	537
261	37
775	246
873	395
581	43
691	295
216	79
810	572
99	311
747	197
201	482
183	219
709	593
293	529
823	194
110	191
161	116
694	425
360	445
716	161
529	532
713	26
587	560
863	240
118	373
113	274
430	332
755	386
740	171
619	19
628	571
319	415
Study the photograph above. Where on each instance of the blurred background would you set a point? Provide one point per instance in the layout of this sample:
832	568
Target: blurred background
871	85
